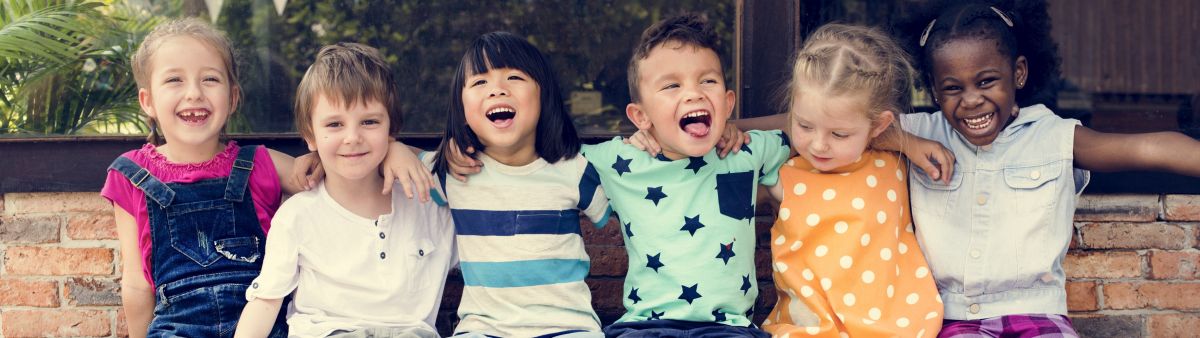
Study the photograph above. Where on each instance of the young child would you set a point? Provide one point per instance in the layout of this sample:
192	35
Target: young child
523	260
996	234
357	264
192	213
845	259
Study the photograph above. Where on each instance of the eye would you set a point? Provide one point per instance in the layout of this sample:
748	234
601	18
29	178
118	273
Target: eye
840	135
333	125
212	79
709	81
516	77
987	82
477	83
670	86
951	88
172	79
371	122
804	126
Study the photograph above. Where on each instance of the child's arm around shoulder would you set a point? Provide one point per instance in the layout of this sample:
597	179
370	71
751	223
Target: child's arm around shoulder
280	269
1161	151
401	164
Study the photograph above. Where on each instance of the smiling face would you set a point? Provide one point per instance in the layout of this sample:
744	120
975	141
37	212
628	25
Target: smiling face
832	131
684	101
189	94
975	86
351	140
502	107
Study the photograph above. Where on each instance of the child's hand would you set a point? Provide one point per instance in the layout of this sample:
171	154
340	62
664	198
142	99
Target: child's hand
402	164
642	140
462	165
732	138
932	157
301	168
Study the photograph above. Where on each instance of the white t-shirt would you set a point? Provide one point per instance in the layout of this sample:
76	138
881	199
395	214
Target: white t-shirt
350	272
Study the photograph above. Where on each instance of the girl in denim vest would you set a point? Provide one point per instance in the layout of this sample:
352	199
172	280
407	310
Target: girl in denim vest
996	234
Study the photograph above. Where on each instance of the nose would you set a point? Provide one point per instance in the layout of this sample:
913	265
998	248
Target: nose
193	92
353	135
693	94
819	144
972	99
498	89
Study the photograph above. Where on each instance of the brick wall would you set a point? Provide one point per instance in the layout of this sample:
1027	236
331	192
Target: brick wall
1134	267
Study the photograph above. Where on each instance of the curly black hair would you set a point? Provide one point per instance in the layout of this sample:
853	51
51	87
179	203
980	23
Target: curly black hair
1029	36
690	29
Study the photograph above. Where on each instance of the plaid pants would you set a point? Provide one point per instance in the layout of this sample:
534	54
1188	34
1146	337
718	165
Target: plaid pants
1014	326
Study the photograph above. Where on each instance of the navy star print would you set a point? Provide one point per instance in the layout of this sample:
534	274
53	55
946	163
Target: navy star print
691	224
621	165
656	315
695	163
629	229
654	262
784	140
745	284
690	293
726	252
718	315
655	194
746	148
633	296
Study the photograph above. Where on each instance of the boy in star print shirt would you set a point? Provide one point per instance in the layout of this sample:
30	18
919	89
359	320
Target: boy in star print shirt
687	216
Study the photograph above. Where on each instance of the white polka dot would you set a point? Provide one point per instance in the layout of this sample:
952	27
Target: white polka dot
922	272
872	181
931	315
908	228
841	318
891	195
767	322
843	335
799	189
879	163
902	322
846	262
868	276
806	291
781	267
866	239
779	240
881	217
858	203
868	321
897	231
891	291
812	330
849	299
829	194
897	271
790	292
784	214
912	299
841	227
796	245
920	334
826	284
812	220
844	174
807	274
821	250
886	254
938	299
874	313
899	174
791	163
903	249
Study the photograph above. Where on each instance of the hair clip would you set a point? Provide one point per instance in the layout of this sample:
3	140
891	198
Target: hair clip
925	35
1002	16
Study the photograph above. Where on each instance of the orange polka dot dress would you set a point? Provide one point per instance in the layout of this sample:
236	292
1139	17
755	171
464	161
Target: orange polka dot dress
845	259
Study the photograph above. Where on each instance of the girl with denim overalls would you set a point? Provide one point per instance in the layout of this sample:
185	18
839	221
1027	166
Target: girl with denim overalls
192	212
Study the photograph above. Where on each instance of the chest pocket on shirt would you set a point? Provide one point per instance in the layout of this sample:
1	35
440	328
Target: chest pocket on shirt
936	198
421	264
1035	193
735	194
205	232
547	230
1031	186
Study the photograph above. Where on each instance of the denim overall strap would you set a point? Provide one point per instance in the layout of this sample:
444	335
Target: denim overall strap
239	176
142	179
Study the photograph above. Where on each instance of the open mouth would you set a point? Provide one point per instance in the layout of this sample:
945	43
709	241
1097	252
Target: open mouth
193	116
501	116
696	123
981	122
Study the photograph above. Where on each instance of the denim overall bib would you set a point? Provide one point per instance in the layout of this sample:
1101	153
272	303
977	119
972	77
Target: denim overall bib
208	247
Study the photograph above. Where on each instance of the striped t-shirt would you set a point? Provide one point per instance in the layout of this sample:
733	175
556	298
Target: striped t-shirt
521	254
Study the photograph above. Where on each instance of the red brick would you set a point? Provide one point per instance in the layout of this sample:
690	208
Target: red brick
1173	325
1136	236
92	292
30	229
609	235
610	261
19	292
1181	207
92	225
1174	264
1109	325
58	261
1081	296
607	294
1122	296
1115	264
55	202
1109	208
1153	295
122	324
44	323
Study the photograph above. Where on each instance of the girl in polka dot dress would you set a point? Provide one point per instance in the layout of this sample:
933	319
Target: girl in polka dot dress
846	262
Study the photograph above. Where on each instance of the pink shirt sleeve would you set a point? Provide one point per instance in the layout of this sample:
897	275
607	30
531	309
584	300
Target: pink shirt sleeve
265	188
126	196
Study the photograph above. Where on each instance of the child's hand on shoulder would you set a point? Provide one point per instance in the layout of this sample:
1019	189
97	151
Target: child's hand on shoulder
402	165
931	157
307	171
731	139
642	140
462	164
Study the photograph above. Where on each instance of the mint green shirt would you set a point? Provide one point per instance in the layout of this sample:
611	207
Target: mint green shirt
689	227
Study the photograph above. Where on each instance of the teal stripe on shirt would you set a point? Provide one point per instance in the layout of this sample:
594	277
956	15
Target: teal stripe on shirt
524	273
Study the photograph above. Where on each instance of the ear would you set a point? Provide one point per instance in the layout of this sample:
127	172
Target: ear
882	122
730	101
147	102
312	144
234	95
639	117
1021	71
